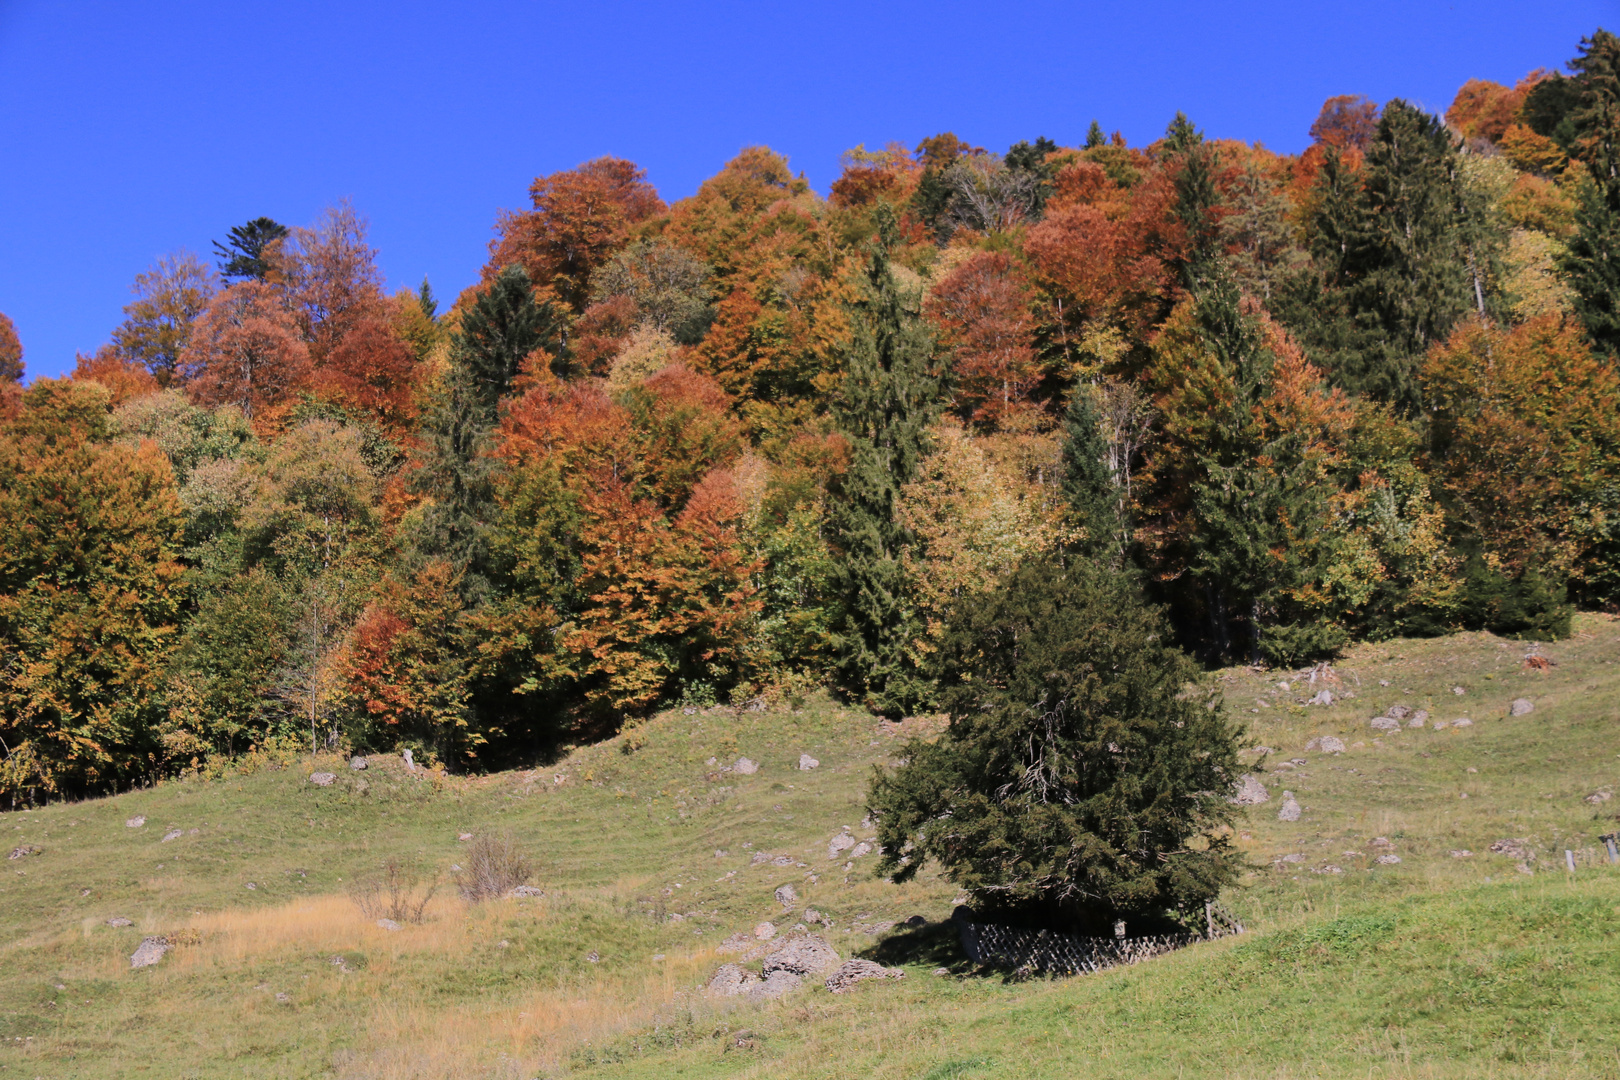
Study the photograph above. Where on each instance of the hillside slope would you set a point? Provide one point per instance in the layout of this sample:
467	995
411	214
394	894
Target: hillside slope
650	853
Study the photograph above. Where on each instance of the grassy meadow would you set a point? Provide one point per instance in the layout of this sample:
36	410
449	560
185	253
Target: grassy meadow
649	854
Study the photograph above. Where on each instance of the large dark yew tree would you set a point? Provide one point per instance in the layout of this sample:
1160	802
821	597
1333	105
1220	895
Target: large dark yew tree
889	397
1084	773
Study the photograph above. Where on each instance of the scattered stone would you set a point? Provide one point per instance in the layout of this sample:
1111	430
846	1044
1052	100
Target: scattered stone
942	971
1385	723
523	892
765	931
149	952
1462	721
1290	808
841	842
283	998
812	916
1328	868
862	848
359	764
1459	691
388	924
760	857
775	985
1323	697
464	837
1517	847
787	896
1294	857
746	766
23	851
1383	682
1521	707
1298	761
1249	791
1421	714
1398	712
119	920
322	779
721	853
804	957
867	824
783	860
1440	725
853	971
1472	769
1382	842
593	957
173	834
1461	853
135	822
1283	687
806	763
410	762
916	920
1387	860
1415	722
251	885
1597	798
1326	744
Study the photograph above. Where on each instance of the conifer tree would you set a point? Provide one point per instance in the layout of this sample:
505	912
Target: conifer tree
888	399
1197	198
1089	487
1592	261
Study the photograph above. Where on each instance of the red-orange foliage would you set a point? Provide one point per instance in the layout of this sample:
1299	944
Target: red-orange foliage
245	350
1107	252
580	218
601	332
1483	109
11	351
330	279
122	378
372	369
684	428
1346	121
982	310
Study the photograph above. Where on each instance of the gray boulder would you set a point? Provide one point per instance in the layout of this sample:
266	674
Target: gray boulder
1326	744
731	980
150	951
1398	712
787	896
805	957
1249	791
854	971
841	842
1290	808
806	763
358	764
322	779
135	822
1521	707
746	766
1385	723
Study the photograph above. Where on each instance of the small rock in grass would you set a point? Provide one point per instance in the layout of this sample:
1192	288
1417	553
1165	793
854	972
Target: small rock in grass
1323	697
1461	853
806	763
1383	682
464	837
1326	744
1293	857
593	957
802	956
942	971
765	931
522	892
1517	847
841	842
1462	721
388	924
775	984
1521	707
1290	808
916	920
1249	791
1415	722
1598	798
787	896
855	971
1387	860
119	920
860	849
1398	712
135	822
283	998
1385	723
149	952
1382	842
1459	691
731	980
322	779
24	850
1440	725
358	764
1421	714
746	766
173	834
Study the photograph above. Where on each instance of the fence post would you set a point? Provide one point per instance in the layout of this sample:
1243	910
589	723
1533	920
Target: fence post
1569	860
1614	857
1209	921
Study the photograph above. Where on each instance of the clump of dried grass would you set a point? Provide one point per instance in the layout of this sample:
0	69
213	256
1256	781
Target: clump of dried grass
493	867
397	894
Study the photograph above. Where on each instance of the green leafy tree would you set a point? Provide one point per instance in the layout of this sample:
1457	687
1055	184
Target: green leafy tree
90	595
1084	772
889	396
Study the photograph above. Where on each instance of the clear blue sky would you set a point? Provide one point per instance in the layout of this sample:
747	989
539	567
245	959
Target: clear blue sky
130	130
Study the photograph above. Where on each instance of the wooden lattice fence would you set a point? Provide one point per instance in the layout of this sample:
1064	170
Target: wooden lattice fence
1072	954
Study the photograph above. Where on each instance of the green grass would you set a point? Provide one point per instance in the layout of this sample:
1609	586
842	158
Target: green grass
1437	966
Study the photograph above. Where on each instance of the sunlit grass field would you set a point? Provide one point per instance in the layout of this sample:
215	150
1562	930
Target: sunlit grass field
1433	966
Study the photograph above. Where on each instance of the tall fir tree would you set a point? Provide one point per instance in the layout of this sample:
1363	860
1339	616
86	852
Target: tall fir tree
1090	492
242	257
889	397
1197	198
1591	262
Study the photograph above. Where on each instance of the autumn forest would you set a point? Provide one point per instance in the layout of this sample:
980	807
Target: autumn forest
761	440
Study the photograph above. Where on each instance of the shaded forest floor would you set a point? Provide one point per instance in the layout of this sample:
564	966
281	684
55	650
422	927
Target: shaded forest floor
1440	965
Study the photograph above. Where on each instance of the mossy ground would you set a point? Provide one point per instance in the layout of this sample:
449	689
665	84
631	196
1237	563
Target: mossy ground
1434	967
